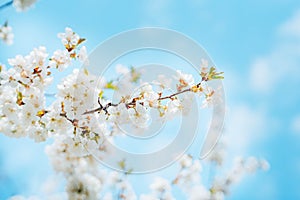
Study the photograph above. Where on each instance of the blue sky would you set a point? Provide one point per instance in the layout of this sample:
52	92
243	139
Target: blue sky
256	43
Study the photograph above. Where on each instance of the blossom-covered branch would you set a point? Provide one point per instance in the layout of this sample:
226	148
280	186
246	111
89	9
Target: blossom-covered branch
6	34
182	83
82	126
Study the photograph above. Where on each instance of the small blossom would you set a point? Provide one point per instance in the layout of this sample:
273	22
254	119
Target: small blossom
172	109
184	79
139	116
198	192
186	161
252	164
163	82
60	60
264	165
83	56
121	69
22	5
69	37
160	185
6	34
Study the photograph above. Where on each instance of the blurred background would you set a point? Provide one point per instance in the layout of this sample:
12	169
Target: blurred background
256	43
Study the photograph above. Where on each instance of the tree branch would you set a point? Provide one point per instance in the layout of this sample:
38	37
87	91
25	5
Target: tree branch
175	94
133	102
6	5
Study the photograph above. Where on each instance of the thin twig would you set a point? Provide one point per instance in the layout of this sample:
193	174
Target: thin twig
133	102
175	94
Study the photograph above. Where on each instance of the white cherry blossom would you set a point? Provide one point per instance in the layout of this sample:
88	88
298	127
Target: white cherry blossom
6	34
69	37
60	59
121	69
83	56
139	116
184	79
22	5
160	185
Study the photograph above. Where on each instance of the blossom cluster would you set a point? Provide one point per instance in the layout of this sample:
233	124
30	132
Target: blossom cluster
23	5
188	179
81	121
23	87
6	34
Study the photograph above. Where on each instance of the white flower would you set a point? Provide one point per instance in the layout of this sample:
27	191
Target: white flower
119	113
125	86
10	111
4	78
114	178
31	70
83	56
37	57
78	91
145	88
28	115
60	60
264	165
252	164
31	67
218	154
22	5
92	182
139	116
185	79
186	102
160	185
56	123
38	133
151	99
173	108
121	69
163	82
186	161
161	189
218	195
199	192
34	97
190	175
69	37
6	34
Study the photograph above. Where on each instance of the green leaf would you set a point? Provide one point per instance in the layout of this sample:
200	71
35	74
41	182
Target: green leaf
129	171
19	98
86	72
212	74
135	75
100	95
110	85
122	164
